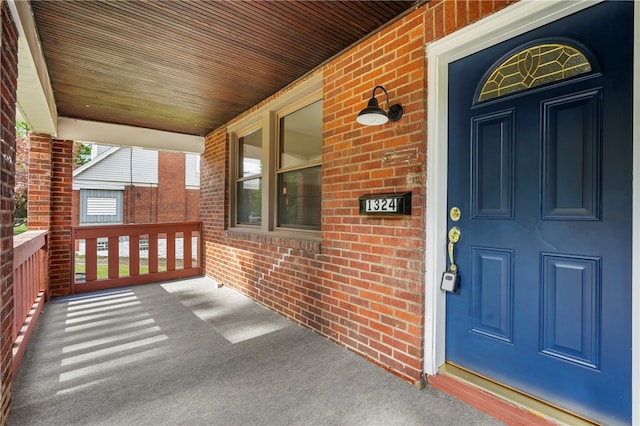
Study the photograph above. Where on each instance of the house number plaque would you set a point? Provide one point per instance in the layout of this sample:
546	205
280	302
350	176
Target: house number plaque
386	204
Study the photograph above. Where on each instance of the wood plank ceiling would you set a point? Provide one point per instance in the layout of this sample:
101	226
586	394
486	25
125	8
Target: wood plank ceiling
190	66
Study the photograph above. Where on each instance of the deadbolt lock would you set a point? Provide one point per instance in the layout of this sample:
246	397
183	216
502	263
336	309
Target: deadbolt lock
455	214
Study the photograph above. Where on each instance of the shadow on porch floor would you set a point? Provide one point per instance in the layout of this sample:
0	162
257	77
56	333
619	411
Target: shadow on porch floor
188	352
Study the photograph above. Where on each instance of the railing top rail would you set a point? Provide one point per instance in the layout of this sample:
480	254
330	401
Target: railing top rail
134	229
26	244
27	236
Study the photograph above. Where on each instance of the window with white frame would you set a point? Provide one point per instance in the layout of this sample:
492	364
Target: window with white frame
276	160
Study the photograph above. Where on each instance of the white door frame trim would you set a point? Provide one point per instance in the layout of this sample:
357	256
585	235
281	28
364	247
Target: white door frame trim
512	21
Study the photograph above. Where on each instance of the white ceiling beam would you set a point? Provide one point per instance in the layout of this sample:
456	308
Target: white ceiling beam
121	135
35	101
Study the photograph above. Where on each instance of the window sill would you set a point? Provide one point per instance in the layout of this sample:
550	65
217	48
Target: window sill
309	241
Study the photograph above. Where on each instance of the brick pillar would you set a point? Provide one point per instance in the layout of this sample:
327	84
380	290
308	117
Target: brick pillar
39	204
50	205
39	188
8	80
61	217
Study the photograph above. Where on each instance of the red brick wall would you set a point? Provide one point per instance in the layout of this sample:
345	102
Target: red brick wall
39	205
140	204
171	187
363	285
61	217
192	205
8	77
214	169
52	202
376	266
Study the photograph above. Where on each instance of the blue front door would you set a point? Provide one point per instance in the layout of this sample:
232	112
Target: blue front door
540	160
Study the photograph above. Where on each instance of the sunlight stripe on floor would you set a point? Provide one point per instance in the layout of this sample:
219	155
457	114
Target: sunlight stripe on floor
93	304
109	366
83	298
103	309
116	320
83	386
110	339
93	334
102	315
113	350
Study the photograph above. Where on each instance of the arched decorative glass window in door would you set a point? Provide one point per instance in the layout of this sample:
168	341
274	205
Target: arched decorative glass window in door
536	65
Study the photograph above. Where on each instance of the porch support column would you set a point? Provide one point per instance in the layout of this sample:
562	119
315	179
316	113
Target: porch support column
50	203
61	217
39	190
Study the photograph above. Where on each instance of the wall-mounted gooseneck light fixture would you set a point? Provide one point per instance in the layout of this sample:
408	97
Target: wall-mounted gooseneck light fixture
373	115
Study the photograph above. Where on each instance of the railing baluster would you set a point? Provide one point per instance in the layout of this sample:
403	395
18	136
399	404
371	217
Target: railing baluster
28	282
171	251
134	255
43	274
114	257
18	297
91	259
199	246
186	249
153	253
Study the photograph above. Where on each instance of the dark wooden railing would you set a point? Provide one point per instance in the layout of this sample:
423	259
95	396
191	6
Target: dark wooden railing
30	286
121	255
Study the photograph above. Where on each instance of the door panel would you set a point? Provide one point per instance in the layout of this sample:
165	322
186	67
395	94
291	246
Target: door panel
543	179
571	314
492	165
491	294
571	157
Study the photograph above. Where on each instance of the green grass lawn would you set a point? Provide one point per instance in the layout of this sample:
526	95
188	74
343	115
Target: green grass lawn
103	270
103	267
19	229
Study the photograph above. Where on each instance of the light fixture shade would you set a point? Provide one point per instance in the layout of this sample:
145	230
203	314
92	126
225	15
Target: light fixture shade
372	115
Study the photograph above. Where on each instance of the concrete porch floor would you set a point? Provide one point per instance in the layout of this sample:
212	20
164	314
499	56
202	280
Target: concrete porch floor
188	352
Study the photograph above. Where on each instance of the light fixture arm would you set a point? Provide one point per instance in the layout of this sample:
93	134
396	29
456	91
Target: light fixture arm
373	95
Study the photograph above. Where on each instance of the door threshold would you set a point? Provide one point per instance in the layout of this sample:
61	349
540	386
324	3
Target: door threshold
502	402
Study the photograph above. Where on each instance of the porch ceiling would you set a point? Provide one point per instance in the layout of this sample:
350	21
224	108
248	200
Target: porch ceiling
189	66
